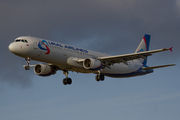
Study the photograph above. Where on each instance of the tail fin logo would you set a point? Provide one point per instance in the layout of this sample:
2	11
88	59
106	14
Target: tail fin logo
43	45
140	50
144	44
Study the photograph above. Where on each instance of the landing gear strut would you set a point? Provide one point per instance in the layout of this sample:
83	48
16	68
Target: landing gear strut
100	76
27	67
66	80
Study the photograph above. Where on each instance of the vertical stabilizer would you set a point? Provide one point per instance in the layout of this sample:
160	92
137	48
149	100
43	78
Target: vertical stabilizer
144	46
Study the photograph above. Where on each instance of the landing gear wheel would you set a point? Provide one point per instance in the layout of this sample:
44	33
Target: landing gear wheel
101	77
67	81
97	78
27	67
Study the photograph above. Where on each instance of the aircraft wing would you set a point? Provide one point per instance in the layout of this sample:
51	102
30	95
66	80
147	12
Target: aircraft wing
110	60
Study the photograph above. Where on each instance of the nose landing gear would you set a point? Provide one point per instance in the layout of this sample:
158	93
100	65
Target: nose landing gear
27	67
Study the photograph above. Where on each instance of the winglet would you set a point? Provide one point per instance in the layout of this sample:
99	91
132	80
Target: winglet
170	49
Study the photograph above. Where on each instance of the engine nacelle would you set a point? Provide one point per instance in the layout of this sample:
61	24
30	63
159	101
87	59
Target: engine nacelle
92	64
43	70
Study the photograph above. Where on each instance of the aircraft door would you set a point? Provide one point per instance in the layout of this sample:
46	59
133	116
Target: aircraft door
36	52
35	45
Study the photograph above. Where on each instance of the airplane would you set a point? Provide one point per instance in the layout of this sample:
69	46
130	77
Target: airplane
57	56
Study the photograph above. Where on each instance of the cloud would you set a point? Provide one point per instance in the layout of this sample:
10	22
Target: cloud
178	5
126	101
13	73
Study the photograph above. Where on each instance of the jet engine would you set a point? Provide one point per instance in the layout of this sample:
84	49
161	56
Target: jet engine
92	64
43	70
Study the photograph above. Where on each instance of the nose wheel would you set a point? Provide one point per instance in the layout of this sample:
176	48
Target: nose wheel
27	67
67	81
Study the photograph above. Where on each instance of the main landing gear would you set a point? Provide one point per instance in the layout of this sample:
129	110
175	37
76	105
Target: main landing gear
99	76
27	67
67	80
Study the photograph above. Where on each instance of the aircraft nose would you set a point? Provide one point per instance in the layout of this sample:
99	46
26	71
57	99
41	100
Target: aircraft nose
12	48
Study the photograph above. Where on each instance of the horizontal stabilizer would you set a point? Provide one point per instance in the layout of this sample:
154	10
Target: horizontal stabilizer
148	68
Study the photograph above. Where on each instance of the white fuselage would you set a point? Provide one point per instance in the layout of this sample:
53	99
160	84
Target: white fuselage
62	55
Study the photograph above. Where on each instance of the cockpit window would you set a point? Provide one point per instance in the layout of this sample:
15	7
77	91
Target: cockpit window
17	40
21	40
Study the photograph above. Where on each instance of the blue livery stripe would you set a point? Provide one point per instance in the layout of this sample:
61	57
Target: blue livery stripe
147	41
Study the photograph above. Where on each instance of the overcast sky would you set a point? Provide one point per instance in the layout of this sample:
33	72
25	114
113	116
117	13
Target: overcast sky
111	26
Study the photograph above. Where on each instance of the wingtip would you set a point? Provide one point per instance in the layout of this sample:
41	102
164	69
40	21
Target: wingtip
171	49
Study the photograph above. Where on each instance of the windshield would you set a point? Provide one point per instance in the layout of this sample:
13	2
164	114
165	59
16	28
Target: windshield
21	40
